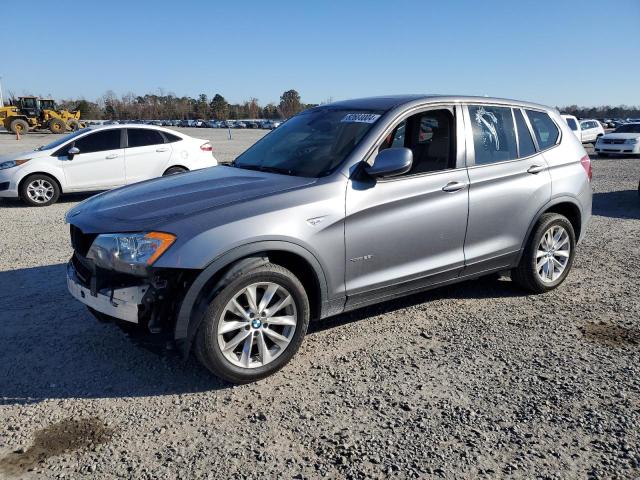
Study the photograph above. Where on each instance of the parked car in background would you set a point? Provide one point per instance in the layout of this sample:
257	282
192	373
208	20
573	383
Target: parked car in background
625	140
186	123
199	123
345	205
240	125
100	158
574	125
590	130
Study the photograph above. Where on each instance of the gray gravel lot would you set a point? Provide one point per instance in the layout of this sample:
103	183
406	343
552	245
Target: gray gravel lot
477	380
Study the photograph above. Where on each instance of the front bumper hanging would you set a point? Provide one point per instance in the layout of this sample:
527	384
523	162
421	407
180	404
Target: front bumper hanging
120	303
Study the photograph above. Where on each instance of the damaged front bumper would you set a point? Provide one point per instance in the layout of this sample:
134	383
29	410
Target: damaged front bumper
121	303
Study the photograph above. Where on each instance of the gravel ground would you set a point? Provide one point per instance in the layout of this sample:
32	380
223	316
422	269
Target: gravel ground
477	380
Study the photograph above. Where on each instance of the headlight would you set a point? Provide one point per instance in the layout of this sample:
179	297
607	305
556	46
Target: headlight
12	163
631	140
129	252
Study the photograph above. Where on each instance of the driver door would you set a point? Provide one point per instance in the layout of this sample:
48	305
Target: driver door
100	163
407	232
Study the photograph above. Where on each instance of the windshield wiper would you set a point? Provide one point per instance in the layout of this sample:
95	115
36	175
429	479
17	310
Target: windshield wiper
265	168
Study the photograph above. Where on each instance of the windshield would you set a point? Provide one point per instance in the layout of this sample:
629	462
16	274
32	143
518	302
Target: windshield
633	128
62	140
311	144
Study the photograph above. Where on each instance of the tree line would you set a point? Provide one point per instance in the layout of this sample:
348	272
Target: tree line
163	106
622	111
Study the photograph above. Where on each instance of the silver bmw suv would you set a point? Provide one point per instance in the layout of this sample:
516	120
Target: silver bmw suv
344	205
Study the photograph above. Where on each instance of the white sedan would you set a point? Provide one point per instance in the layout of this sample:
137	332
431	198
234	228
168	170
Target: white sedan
100	158
625	140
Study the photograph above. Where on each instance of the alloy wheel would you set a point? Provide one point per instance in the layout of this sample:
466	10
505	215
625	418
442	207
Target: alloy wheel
257	325
552	254
40	191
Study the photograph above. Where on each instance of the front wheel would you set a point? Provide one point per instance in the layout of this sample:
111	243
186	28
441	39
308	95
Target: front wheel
548	255
254	325
39	190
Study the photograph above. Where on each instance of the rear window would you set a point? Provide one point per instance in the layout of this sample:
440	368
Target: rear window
544	128
141	137
573	125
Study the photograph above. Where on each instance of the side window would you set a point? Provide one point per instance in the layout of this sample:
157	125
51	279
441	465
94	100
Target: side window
99	141
141	137
546	131
525	142
494	137
430	136
170	138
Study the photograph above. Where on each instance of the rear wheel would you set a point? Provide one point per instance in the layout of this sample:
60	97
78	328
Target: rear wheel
254	325
174	171
73	125
548	255
57	126
39	190
19	126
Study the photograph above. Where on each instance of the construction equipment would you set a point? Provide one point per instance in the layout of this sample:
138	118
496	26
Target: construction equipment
32	113
51	111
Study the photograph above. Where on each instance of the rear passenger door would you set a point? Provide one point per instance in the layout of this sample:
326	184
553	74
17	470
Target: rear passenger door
146	154
509	183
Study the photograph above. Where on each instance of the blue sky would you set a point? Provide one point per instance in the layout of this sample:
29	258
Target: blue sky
553	52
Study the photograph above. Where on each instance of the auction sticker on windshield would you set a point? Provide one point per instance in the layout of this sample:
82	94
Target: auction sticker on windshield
360	118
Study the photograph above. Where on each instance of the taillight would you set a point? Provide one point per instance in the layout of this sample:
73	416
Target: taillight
586	164
207	147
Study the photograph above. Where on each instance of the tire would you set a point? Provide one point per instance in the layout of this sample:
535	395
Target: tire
39	190
19	126
234	366
527	274
174	171
73	125
57	126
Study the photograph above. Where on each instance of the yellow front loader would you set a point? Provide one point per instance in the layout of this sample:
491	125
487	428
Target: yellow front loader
32	113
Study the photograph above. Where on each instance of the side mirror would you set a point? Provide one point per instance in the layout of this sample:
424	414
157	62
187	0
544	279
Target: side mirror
391	162
73	151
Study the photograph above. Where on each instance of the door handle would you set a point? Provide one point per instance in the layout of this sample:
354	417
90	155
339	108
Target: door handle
453	186
535	169
162	149
113	155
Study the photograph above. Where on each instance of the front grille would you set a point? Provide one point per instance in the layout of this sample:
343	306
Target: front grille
82	271
81	242
613	141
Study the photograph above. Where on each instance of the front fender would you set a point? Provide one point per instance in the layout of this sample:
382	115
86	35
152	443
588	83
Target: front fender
189	315
35	166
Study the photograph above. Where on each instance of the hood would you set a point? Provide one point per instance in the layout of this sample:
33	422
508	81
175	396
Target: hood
149	205
21	155
625	136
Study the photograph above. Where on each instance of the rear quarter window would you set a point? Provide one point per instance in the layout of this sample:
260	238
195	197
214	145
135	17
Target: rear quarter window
544	128
170	138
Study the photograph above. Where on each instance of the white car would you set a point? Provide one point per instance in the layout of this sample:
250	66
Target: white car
591	130
574	125
624	140
100	158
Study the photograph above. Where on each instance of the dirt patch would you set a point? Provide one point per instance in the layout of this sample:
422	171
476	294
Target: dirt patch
611	335
62	437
